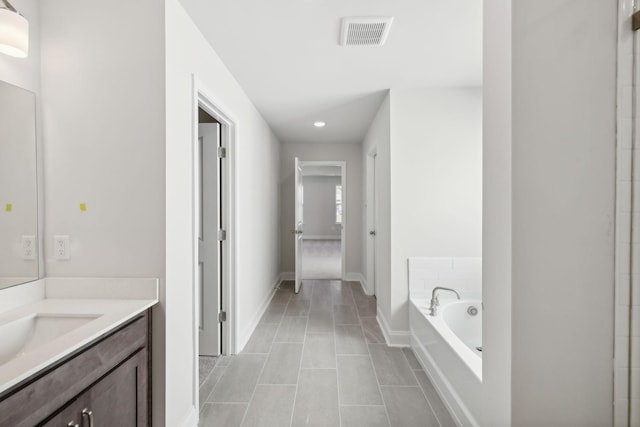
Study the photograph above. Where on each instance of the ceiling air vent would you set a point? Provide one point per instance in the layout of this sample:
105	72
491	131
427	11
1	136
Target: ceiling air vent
365	31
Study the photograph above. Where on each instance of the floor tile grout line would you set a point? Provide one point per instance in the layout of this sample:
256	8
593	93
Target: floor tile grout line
386	411
399	386
433	411
413	371
210	372
206	400
304	340
264	364
335	354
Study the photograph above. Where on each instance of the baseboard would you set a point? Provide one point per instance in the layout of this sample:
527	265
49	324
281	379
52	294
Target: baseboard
243	339
311	237
287	275
190	419
393	338
357	277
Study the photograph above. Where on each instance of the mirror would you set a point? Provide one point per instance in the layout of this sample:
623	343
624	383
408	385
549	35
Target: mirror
18	186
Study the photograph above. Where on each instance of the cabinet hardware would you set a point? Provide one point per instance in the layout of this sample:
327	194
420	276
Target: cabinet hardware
89	414
73	424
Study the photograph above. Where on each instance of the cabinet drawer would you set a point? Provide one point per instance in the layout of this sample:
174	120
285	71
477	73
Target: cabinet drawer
35	399
115	400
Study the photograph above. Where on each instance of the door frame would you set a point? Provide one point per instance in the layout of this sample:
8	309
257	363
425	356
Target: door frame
203	98
371	221
343	234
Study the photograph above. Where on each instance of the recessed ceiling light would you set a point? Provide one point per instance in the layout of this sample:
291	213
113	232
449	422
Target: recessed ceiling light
319	124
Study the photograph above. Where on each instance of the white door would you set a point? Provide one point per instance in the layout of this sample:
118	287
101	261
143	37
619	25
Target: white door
371	222
209	245
297	229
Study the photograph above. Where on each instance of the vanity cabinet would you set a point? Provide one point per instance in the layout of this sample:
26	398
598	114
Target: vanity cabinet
105	383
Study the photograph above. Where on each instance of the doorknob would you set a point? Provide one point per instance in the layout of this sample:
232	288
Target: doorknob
372	233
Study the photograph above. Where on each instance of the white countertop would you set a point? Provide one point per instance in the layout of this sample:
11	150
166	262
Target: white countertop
113	301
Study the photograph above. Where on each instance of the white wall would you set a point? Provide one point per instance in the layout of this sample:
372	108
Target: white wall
627	337
351	153
563	211
436	182
319	210
464	274
562	173
103	117
256	158
496	211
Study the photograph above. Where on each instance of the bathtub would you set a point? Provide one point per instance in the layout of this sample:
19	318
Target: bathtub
446	346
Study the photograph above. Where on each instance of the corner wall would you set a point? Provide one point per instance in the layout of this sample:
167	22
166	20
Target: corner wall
550	135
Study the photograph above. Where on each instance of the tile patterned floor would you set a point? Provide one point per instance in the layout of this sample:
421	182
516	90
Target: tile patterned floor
205	366
318	358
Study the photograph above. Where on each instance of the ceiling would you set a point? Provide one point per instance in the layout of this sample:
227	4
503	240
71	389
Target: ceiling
286	55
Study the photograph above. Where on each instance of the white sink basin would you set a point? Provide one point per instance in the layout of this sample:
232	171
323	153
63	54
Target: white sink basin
26	333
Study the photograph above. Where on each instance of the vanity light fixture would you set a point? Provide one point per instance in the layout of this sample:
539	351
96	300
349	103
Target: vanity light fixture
14	31
319	124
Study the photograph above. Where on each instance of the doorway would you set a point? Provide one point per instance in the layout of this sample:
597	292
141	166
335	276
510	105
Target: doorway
208	226
213	236
321	221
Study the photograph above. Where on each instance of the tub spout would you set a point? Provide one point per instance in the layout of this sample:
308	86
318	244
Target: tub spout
435	303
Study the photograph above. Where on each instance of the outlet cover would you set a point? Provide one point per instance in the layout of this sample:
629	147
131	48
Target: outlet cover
29	248
61	247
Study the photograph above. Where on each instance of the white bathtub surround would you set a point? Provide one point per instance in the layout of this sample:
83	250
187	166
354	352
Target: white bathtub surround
462	274
454	369
445	344
85	308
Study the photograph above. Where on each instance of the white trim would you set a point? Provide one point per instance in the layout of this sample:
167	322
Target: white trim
358	277
243	338
393	338
317	237
454	404
229	133
343	232
190	419
203	97
370	220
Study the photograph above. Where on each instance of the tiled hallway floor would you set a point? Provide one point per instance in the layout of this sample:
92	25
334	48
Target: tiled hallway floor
318	358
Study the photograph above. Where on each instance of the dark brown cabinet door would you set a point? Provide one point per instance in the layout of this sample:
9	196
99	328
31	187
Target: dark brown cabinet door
117	399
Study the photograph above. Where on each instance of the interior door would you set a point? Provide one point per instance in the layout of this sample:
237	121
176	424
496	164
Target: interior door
209	245
297	229
374	223
371	213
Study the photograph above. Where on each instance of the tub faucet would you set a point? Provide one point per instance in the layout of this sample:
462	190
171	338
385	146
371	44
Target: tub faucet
435	303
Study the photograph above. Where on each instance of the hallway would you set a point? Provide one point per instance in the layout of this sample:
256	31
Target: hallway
321	259
319	358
